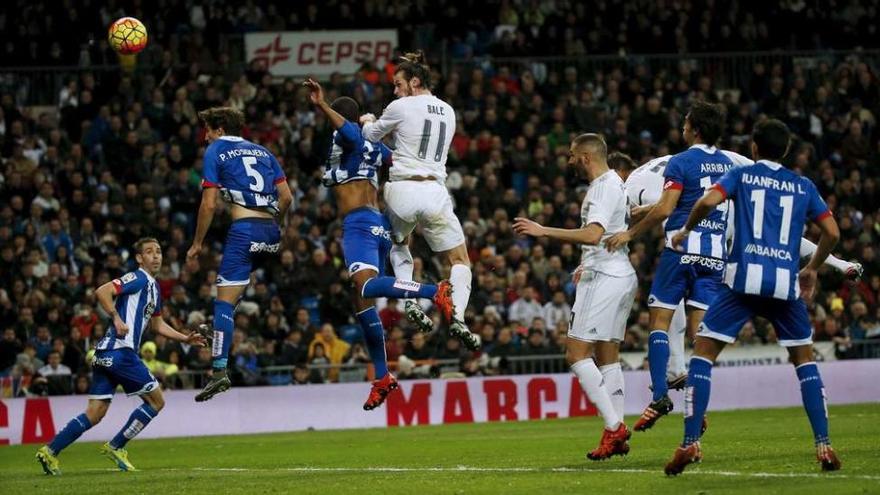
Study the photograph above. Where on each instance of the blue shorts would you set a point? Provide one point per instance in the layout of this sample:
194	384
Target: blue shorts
249	240
730	311
366	240
120	367
682	275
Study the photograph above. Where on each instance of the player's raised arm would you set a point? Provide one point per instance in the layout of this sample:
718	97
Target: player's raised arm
316	93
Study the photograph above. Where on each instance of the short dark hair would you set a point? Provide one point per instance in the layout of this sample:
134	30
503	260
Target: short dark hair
593	140
620	161
772	138
707	120
143	241
413	64
229	119
347	107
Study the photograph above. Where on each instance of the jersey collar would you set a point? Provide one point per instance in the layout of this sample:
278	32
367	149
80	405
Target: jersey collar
770	164
149	277
603	177
704	147
234	139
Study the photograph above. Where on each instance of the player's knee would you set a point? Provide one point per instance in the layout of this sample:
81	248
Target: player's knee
96	411
574	355
156	401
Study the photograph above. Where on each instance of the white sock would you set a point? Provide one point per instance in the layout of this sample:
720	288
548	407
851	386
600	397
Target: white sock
808	248
460	277
592	383
677	332
401	263
613	375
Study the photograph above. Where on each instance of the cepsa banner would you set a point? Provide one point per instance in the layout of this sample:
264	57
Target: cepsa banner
245	410
320	53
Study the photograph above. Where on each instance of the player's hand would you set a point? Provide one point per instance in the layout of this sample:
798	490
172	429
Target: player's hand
196	339
121	327
194	251
807	280
618	241
679	238
367	118
524	226
316	91
576	275
854	271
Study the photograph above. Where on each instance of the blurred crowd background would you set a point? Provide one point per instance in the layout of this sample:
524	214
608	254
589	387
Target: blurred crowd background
115	156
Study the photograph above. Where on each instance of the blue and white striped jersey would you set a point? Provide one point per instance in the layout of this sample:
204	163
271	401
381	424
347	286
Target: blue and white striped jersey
137	301
693	171
772	204
353	158
246	173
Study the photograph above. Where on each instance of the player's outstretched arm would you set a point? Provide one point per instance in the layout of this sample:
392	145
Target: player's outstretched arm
701	210
848	268
316	93
375	130
162	328
590	235
105	295
657	214
206	216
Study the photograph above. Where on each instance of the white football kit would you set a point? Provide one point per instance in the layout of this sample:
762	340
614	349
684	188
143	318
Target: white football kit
606	291
422	128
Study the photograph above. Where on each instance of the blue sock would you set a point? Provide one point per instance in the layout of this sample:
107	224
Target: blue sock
397	289
658	359
813	395
224	324
696	398
138	420
374	334
74	429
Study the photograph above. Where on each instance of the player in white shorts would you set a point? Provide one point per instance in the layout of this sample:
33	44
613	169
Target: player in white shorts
644	186
605	291
421	127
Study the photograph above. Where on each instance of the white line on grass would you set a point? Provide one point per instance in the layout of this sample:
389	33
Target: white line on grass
477	469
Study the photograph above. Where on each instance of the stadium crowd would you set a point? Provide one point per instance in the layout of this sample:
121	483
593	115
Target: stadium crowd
121	159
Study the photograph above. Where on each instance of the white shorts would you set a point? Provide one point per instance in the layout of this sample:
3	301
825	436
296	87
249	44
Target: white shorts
428	204
601	307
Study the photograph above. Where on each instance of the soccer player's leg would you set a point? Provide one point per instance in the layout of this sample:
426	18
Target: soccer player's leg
136	380
791	321
100	394
444	235
722	324
676	371
670	285
592	340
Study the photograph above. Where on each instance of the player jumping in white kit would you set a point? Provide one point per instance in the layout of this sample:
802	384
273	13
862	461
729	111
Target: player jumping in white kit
421	126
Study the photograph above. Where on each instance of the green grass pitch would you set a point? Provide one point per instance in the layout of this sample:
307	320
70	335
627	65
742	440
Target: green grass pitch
758	451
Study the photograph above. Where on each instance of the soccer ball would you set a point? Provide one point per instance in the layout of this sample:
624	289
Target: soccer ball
127	35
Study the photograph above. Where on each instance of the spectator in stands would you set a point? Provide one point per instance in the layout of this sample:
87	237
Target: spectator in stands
54	366
10	347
